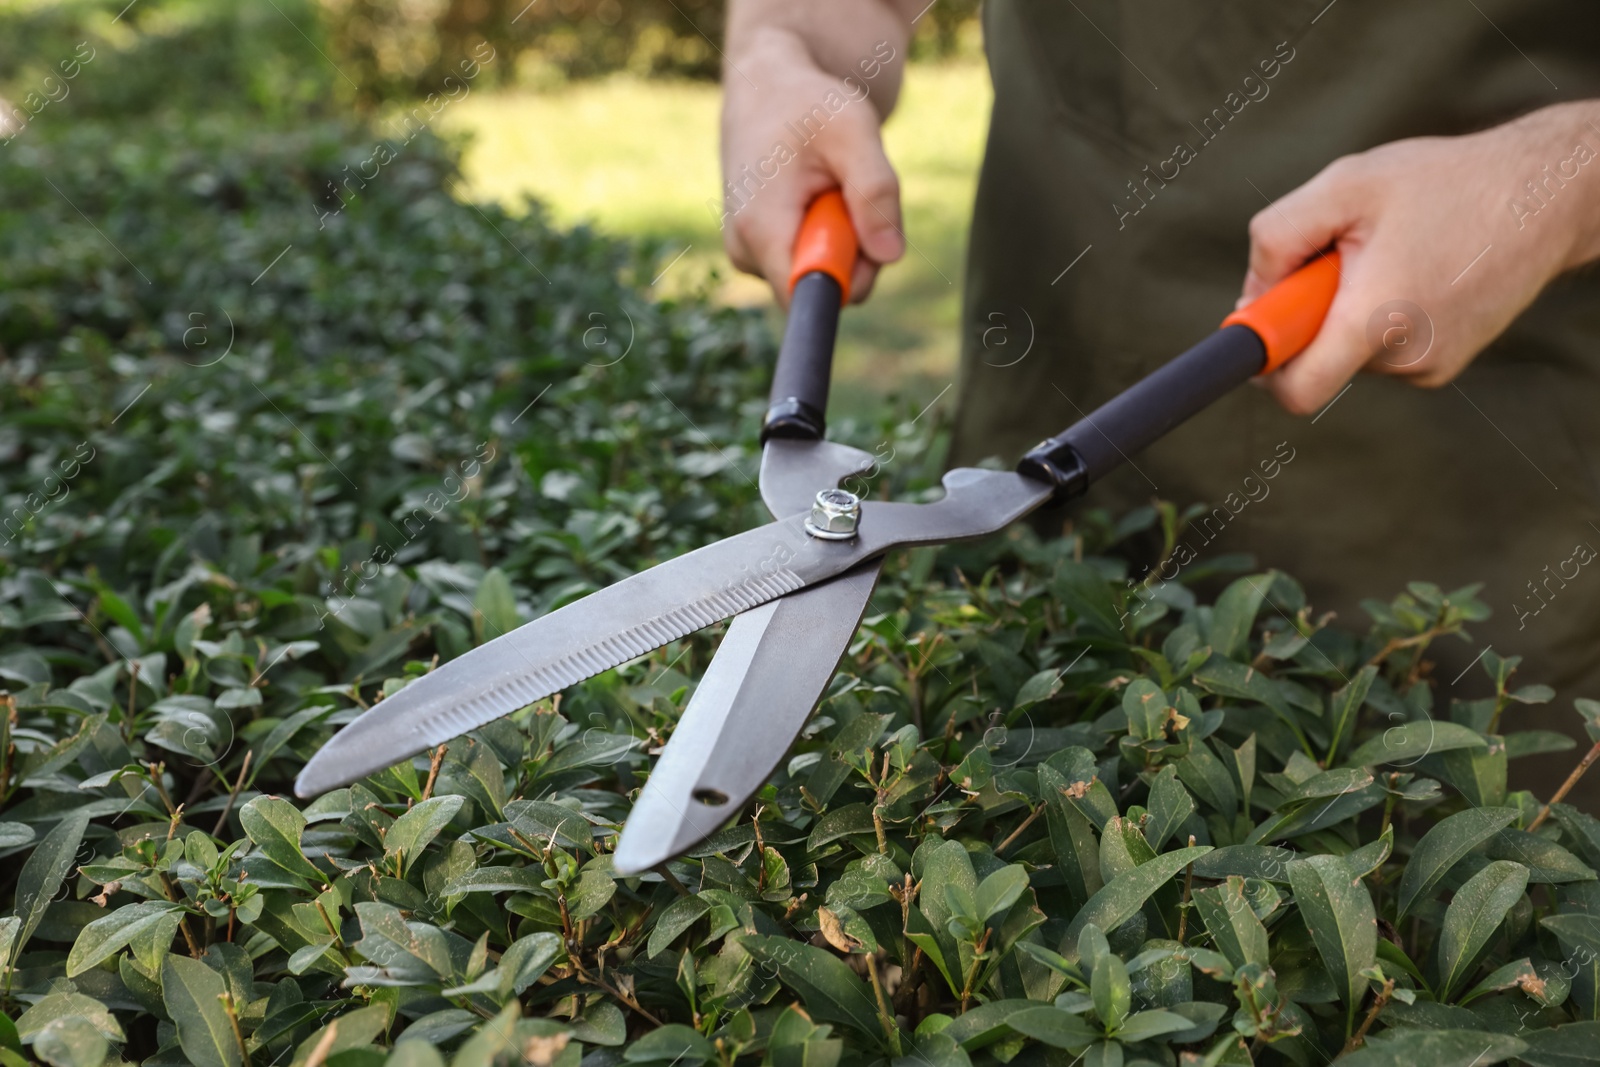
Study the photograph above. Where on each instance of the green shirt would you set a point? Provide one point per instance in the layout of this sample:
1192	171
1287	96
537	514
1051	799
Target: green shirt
1130	145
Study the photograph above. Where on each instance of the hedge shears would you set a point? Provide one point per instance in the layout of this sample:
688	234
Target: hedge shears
797	587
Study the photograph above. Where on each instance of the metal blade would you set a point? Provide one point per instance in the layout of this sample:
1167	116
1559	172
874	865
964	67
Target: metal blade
650	609
757	694
772	667
793	471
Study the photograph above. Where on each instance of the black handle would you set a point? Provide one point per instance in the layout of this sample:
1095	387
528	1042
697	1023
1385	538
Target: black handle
805	361
1148	409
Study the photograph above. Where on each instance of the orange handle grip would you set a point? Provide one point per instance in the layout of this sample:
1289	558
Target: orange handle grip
827	243
1288	316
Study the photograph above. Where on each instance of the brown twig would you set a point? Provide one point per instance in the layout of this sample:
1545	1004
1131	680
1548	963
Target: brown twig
1359	1038
672	880
1188	893
433	770
233	1021
238	785
1566	786
319	1054
133	696
9	756
156	771
1013	835
183	920
890	1030
631	1002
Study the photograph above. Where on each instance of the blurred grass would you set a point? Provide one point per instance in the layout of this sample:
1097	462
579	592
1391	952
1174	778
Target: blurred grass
639	158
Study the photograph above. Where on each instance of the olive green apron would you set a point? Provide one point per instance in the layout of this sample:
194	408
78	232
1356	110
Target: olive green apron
1101	248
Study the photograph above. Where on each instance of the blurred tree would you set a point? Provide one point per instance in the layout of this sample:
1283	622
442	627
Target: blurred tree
399	48
290	58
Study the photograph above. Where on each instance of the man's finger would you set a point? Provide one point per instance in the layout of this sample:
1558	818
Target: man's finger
1288	232
1341	348
871	194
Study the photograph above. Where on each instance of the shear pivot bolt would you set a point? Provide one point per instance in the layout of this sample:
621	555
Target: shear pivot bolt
835	515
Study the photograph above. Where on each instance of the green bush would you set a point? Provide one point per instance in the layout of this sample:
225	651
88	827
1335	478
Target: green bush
271	449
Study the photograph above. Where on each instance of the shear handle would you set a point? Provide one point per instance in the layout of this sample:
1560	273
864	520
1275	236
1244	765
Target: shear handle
1256	339
824	258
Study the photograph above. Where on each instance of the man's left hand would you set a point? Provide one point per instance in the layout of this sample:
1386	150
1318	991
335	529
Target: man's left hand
1433	223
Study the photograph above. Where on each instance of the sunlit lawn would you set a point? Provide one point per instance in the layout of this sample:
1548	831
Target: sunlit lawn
640	158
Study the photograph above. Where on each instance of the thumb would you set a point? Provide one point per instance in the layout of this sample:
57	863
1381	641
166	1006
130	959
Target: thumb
1288	232
871	194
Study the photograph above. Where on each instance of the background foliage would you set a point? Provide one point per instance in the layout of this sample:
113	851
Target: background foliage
284	423
269	450
283	55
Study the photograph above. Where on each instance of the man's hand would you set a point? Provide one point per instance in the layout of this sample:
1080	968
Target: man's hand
805	91
1411	220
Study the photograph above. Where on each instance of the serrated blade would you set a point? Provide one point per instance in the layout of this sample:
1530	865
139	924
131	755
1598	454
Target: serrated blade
643	612
772	667
603	630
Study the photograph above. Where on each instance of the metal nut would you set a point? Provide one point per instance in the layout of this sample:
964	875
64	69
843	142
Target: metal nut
835	515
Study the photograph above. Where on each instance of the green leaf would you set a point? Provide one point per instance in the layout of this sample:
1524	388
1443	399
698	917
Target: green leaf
107	936
412	831
15	834
673	1043
1265	862
1442	847
830	990
681	914
43	874
1345	707
526	960
494	606
1232	923
1577	930
1124	895
1234	614
496	880
63	1004
1547	862
1570	1045
1209	780
1054	1027
1146	707
1410	742
1434	1048
1111	990
1170	804
415	1052
1370	856
193	995
274	825
1344	926
593	890
1509	976
71	1042
1474	914
1000	890
1144	1025
356	1029
1042	686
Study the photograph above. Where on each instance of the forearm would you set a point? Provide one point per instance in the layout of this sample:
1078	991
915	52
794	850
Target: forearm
1560	198
861	40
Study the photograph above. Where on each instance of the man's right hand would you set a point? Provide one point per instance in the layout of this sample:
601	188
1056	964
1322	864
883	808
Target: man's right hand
806	88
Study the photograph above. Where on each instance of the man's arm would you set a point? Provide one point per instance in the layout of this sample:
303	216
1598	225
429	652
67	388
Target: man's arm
806	87
1469	229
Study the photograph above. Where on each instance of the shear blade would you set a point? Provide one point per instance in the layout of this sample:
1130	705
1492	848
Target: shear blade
772	667
613	625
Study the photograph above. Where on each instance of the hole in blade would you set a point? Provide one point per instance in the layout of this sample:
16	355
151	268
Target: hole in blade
712	798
